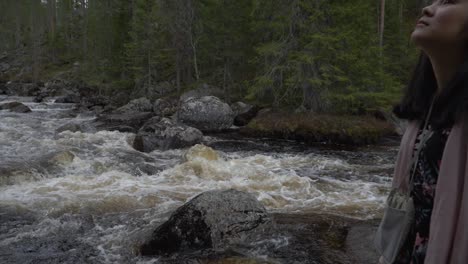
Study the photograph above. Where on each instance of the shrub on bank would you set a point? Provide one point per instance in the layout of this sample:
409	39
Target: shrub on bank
309	127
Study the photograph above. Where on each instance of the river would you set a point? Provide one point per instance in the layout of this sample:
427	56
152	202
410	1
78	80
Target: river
77	197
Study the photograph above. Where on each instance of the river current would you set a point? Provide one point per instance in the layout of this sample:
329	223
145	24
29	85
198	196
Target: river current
75	197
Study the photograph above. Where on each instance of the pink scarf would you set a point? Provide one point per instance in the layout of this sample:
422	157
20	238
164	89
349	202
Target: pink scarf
448	236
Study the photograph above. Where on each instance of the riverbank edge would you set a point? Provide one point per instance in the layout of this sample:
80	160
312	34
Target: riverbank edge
315	128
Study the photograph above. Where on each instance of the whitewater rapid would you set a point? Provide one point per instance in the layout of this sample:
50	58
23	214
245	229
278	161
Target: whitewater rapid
95	193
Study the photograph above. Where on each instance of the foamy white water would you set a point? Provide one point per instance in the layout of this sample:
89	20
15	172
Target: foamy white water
97	193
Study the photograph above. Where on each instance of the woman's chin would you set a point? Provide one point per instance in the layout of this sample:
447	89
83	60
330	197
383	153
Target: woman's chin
418	38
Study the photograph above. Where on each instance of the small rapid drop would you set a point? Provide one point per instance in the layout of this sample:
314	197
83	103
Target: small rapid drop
91	197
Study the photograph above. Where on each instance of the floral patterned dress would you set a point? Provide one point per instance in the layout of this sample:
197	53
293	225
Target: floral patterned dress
425	181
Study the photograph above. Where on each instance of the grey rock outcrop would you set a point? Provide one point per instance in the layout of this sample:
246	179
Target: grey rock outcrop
207	113
163	134
15	107
212	220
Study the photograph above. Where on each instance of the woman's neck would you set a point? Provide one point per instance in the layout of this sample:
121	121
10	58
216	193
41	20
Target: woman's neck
445	66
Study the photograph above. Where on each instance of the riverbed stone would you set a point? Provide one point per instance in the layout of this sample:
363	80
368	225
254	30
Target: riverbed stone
163	133
15	107
207	113
211	220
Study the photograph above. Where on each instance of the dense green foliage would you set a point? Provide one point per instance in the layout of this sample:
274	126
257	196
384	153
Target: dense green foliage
318	55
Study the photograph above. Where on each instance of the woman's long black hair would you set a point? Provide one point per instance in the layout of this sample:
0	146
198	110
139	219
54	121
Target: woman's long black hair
449	104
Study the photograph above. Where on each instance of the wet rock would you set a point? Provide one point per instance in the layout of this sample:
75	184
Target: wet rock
207	113
58	86
201	91
85	127
62	158
4	66
243	113
39	98
3	89
68	99
15	107
165	134
324	239
137	105
58	243
22	89
359	242
165	107
12	216
94	101
34	168
212	220
123	122
201	151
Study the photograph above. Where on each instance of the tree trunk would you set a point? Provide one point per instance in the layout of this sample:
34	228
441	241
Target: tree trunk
381	25
52	10
178	70
85	28
225	81
195	63
18	32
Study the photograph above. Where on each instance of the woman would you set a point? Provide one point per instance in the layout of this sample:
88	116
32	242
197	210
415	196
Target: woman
439	234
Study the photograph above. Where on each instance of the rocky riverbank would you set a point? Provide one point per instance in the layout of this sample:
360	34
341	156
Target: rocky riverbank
164	120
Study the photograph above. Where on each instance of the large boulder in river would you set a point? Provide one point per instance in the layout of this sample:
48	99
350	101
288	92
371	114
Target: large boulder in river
212	220
163	133
207	113
15	107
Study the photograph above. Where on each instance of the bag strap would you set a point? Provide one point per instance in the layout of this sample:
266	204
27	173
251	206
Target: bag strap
425	137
